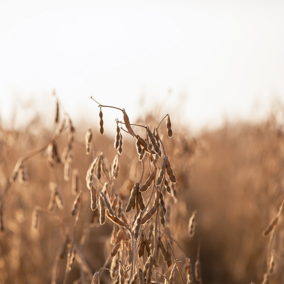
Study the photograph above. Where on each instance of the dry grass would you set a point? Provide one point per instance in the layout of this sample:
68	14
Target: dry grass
175	210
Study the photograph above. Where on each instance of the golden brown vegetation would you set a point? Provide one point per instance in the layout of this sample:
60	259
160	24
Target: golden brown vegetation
76	207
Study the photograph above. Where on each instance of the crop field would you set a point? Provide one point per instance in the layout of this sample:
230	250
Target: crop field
150	204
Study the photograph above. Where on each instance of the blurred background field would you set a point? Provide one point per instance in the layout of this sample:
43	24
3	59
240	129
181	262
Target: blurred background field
232	176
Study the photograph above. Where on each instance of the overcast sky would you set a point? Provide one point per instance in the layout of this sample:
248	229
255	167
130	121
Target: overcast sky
219	58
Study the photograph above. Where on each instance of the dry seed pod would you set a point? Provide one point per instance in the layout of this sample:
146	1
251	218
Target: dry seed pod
71	131
102	210
169	125
141	245
101	121
104	167
162	217
88	140
127	123
137	226
138	147
67	155
115	219
161	176
154	143
149	214
71	257
270	227
130	253
58	200
75	182
115	167
115	249
35	220
67	171
148	182
117	136
90	172
60	126
131	201
56	119
114	266
23	176
119	207
64	246
151	236
174	193
191	224
93	199
150	268
76	204
119	150
52	196
271	263
188	271
140	200
170	171
99	169
167	186
107	203
96	278
197	270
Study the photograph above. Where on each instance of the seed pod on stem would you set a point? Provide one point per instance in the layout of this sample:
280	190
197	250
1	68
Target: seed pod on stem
115	166
99	169
191	224
270	227
102	210
60	126
141	245
170	171
272	263
101	121
56	118
75	182
149	214
71	131
131	201
169	126
35	220
167	186
197	270
67	171
117	136
119	150
137	226
188	271
154	143
88	140
71	257
23	176
76	204
140	200
148	182
114	266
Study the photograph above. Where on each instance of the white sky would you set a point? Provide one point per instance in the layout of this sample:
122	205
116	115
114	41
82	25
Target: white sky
218	57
